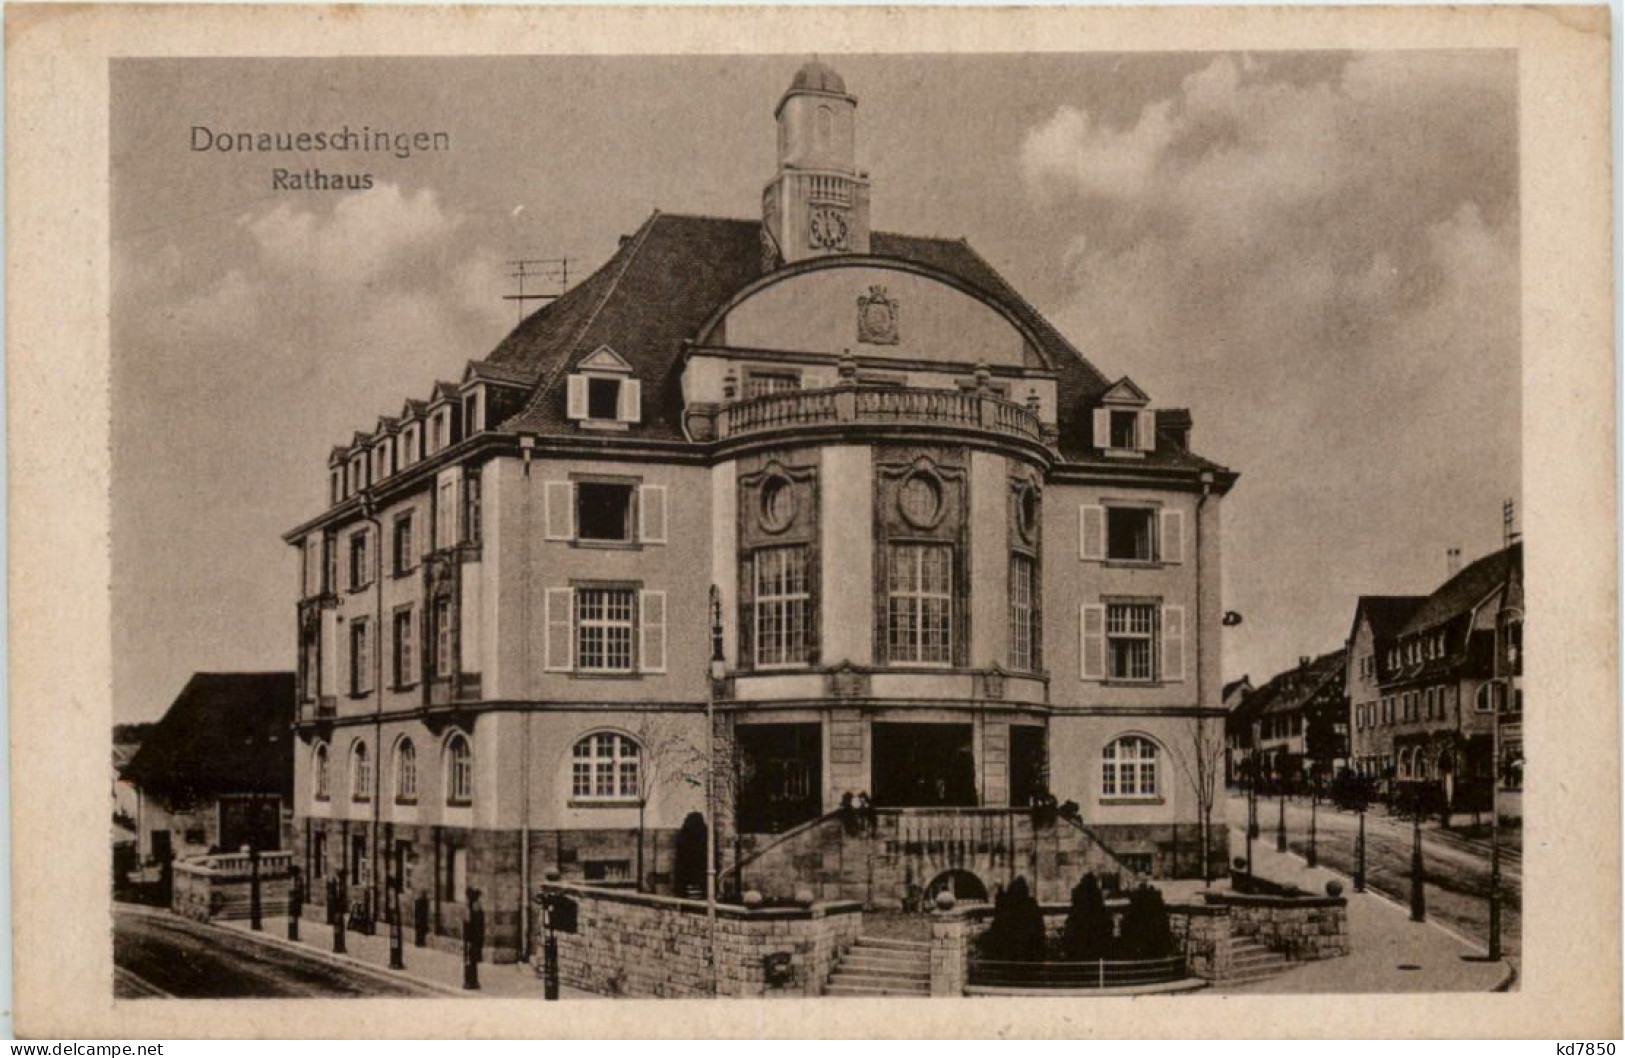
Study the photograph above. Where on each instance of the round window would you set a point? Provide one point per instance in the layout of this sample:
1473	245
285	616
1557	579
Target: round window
1027	511
778	505
920	500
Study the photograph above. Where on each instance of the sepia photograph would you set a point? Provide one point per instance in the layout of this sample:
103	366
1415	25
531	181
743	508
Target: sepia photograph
824	533
945	525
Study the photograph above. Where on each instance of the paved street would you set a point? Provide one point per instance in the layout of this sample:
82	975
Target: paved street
1456	872
159	954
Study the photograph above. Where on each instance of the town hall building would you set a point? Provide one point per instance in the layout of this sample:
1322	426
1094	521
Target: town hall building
956	575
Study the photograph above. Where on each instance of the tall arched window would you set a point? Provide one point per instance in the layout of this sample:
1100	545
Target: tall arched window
406	771
459	770
360	772
604	767
318	766
1128	768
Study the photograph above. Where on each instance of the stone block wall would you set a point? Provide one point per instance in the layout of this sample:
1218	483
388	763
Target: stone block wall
1203	933
1305	928
638	944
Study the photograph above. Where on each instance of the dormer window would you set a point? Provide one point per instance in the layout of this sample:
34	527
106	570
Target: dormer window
601	393
1123	425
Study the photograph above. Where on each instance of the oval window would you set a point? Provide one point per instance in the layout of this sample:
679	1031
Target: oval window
778	505
1027	511
920	500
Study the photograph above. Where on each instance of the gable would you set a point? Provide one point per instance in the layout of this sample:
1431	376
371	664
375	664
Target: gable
605	359
1125	392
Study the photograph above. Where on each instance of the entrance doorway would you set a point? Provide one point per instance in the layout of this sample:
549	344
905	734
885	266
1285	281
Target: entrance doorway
1027	772
923	766
781	777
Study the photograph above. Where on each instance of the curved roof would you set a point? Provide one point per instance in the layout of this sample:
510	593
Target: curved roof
818	77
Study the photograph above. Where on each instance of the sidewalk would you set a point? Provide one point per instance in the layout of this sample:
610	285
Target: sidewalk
439	970
1388	952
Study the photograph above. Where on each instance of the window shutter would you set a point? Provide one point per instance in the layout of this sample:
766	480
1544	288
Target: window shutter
652	631
1103	428
560	603
1145	431
1092	641
1173	644
576	396
561	510
652	514
1091	533
631	401
1173	536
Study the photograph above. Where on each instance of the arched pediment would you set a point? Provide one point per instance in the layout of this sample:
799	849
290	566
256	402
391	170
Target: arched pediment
872	306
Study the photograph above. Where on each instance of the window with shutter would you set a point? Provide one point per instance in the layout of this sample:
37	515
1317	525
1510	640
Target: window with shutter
561	510
631	409
1091	533
560	624
1173	643
652	514
1092	642
1145	432
1173	536
652	631
576	396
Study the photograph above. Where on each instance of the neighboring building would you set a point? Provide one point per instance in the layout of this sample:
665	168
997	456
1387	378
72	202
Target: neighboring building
1296	720
127	738
1238	733
956	568
1431	721
1378	620
216	773
1509	676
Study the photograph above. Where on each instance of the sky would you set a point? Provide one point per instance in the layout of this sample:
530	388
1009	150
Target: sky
1317	253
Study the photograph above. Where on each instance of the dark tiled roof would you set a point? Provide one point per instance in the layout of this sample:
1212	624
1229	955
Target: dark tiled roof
1296	687
669	277
1224	692
227	732
1387	614
1465	590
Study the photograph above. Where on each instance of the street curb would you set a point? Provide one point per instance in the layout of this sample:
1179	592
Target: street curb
1509	980
336	959
331	958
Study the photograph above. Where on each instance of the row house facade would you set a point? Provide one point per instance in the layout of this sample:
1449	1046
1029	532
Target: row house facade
1432	688
1294	725
947	565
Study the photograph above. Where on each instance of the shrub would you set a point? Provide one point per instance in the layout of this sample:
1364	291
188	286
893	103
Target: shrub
688	872
1088	931
1017	932
1146	933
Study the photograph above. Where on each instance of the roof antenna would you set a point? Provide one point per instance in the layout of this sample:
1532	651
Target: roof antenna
548	270
1509	535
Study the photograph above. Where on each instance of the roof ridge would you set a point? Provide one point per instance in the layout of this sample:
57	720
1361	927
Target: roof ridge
546	385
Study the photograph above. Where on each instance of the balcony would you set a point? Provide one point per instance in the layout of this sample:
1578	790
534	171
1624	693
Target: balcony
878	407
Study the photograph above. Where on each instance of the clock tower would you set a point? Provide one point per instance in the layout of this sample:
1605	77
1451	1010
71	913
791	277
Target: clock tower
818	203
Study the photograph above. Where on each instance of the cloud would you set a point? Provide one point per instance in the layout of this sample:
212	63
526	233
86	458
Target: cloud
1325	269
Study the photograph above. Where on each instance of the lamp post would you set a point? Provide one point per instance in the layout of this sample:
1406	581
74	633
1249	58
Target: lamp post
1359	850
1314	804
1252	810
1419	904
1280	824
713	674
1500	692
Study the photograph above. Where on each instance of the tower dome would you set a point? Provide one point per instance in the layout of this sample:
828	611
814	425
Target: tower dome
816	76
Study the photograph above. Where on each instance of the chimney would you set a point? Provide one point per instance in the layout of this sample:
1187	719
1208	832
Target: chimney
1452	561
1303	661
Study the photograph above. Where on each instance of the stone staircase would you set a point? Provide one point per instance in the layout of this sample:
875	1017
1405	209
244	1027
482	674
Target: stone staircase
1250	961
881	966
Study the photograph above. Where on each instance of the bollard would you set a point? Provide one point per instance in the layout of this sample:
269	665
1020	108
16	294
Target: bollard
296	901
550	967
339	900
396	959
254	922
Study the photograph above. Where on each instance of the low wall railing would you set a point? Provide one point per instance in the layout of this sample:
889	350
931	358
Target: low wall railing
854	404
1090	973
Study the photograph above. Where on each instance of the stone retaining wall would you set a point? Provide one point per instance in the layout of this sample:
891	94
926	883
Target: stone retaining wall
639	944
1301	928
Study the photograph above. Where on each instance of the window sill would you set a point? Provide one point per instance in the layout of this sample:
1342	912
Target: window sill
1122	453
406	802
400	688
607	802
607	545
1132	563
400	573
1131	801
603	424
1131	683
359	696
357	589
453	803
590	675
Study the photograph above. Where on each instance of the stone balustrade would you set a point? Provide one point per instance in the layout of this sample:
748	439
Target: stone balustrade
972	410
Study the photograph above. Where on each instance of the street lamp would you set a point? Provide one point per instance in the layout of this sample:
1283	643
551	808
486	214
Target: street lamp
1359	848
1314	803
1419	904
1280	825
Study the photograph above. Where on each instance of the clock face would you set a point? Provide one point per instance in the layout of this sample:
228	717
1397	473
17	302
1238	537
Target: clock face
827	229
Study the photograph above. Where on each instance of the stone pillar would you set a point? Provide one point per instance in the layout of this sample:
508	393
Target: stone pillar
950	952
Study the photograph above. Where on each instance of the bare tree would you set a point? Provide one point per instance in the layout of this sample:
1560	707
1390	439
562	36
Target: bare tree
1201	758
670	756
